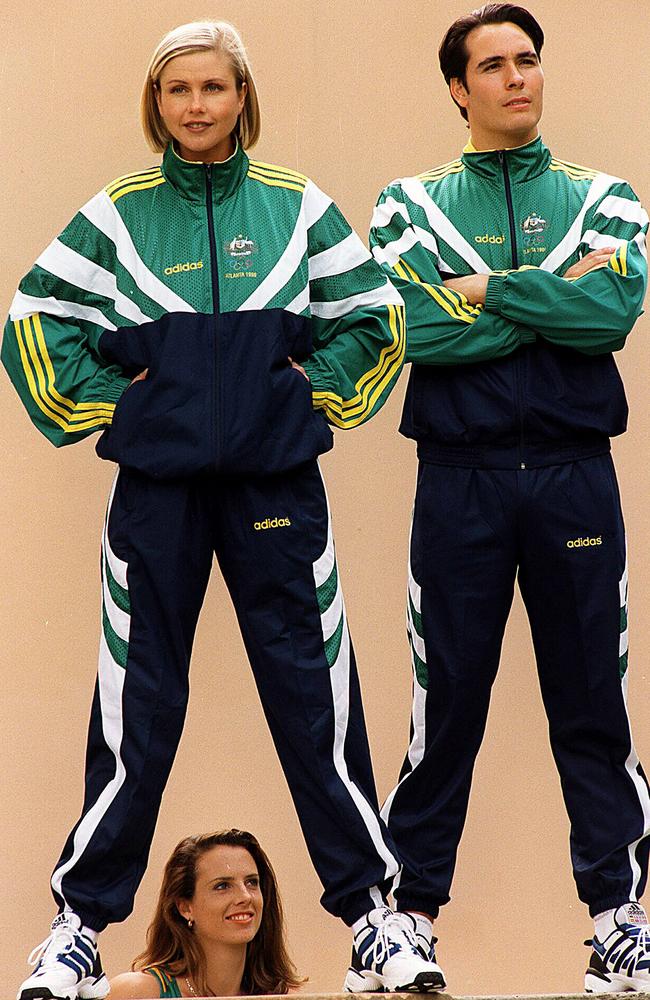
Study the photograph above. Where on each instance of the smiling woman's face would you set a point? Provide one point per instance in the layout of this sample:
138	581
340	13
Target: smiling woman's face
503	88
199	103
227	904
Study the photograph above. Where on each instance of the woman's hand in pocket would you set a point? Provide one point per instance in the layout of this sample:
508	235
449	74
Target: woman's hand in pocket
140	377
298	368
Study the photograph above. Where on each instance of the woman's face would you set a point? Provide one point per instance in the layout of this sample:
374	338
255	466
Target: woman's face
227	904
199	103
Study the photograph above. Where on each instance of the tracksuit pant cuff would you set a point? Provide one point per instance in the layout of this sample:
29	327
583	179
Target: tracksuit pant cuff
608	903
418	905
93	924
358	904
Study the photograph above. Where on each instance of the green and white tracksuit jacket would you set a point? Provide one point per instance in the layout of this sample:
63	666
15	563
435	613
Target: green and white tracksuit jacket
528	378
210	277
512	405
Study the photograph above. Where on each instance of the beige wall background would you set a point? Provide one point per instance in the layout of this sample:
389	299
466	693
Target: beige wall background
351	94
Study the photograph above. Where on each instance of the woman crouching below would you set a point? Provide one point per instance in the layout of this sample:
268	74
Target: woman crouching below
218	929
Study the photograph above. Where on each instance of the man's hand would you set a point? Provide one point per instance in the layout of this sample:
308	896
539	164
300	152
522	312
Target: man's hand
596	258
473	287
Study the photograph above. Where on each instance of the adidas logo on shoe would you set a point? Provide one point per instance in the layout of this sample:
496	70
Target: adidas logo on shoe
622	961
67	963
386	957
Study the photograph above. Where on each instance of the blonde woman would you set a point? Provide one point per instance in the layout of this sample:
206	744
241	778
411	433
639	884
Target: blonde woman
211	316
218	928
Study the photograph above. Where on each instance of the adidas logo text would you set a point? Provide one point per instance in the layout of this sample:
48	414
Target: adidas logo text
194	265
489	239
582	543
272	522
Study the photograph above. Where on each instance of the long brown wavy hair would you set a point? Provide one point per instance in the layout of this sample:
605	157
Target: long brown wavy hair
170	942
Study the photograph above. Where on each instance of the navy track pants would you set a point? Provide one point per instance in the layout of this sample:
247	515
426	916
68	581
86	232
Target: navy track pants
273	541
559	532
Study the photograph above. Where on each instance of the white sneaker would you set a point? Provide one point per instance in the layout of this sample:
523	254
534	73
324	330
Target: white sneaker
67	964
621	962
386	957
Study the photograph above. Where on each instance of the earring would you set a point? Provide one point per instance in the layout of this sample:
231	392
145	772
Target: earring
190	923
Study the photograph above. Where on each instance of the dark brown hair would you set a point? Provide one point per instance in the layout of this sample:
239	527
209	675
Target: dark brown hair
170	942
453	54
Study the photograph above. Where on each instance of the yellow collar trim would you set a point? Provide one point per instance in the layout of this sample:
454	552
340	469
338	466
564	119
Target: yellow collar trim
471	148
202	163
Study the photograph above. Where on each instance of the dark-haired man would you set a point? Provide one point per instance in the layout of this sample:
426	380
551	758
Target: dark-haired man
521	274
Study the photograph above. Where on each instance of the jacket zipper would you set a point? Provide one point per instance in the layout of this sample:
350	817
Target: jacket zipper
511	214
517	361
216	381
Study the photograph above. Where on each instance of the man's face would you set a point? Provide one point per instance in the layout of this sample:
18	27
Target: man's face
503	88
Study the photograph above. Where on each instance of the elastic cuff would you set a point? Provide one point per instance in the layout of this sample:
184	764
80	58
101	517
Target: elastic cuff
609	903
88	923
418	905
494	292
357	904
113	390
319	381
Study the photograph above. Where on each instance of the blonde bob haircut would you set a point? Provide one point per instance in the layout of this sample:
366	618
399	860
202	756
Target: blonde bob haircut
200	36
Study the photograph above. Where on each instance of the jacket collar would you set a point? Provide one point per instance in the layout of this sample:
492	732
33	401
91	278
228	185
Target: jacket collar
524	162
189	178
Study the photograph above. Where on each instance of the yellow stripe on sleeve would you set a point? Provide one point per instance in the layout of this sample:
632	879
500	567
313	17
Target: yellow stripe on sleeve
454	303
460	302
271	182
37	368
371	378
39	374
141	186
573	170
614	264
98	407
29	376
138	175
274	171
351	412
437	174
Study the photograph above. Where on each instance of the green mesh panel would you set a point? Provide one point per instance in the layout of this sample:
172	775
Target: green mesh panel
119	649
419	667
333	644
622	664
325	593
118	593
417	618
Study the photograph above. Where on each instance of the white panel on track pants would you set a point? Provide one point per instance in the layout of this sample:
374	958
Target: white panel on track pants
273	542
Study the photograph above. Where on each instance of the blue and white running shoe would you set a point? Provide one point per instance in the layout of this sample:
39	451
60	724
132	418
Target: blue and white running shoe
386	957
621	962
67	964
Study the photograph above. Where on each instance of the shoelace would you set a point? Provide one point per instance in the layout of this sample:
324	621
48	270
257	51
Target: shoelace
643	937
642	934
61	939
391	930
